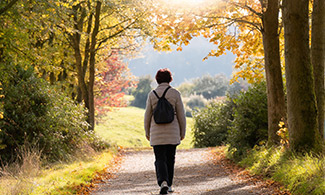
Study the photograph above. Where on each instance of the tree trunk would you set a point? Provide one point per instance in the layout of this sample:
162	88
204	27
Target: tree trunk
92	66
87	45
318	58
275	95
301	106
76	42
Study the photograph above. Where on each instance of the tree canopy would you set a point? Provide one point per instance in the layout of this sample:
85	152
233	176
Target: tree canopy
79	45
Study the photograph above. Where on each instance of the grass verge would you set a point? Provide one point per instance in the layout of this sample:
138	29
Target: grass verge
65	178
124	127
301	174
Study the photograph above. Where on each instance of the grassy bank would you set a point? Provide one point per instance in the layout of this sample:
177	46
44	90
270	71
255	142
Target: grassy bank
63	178
124	127
300	174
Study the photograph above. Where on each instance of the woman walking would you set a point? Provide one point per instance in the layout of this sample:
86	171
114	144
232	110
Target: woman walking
165	137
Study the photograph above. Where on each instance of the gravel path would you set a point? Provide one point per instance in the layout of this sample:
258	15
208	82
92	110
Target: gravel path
194	174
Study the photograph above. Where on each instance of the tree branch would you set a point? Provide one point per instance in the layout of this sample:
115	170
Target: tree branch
116	25
115	34
3	10
260	15
238	20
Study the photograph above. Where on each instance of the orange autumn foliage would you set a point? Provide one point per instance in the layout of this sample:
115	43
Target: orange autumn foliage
233	25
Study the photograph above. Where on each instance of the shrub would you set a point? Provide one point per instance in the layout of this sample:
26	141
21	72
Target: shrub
141	92
211	86
211	124
194	102
240	121
35	112
249	126
237	87
188	111
186	89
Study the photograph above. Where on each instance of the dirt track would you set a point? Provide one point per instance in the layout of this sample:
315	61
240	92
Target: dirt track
195	173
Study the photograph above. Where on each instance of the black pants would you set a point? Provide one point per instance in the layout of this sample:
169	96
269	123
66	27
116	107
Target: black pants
165	161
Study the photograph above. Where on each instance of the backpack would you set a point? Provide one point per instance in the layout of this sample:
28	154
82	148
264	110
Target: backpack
164	111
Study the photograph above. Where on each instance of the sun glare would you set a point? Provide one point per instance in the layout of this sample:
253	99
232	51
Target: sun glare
184	3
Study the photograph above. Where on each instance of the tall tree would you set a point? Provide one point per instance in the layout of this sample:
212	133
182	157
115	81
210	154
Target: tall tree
275	94
111	83
318	59
301	101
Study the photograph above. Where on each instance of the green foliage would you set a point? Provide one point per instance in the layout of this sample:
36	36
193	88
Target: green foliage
249	126
301	174
31	35
211	87
186	89
141	92
240	121
199	91
35	112
211	124
194	102
237	87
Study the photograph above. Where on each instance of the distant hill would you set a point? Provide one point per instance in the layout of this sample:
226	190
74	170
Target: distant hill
186	64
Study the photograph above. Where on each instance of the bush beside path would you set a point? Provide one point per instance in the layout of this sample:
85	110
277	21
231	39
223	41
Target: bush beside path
197	171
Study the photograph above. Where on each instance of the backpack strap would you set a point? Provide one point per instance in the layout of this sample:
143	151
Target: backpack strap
163	93
156	94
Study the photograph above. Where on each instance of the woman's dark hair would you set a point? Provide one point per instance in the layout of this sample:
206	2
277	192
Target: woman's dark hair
164	76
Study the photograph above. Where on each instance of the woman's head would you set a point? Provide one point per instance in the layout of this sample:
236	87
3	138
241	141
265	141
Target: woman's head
164	76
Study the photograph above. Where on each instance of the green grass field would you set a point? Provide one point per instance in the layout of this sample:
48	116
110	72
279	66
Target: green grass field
124	127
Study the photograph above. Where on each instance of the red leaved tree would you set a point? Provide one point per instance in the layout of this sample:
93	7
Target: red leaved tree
111	84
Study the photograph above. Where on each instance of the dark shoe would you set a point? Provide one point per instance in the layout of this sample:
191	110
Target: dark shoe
163	188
